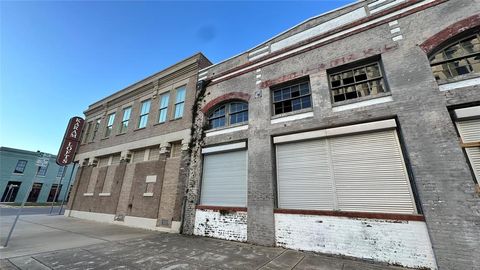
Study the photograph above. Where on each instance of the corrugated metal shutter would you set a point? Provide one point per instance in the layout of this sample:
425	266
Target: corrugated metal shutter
363	173
224	181
139	156
470	132
370	174
304	176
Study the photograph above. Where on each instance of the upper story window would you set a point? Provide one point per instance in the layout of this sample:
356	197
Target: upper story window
179	102
292	96
95	129
356	82
20	168
110	120
125	119
61	171
42	170
457	59
162	115
88	130
145	109
228	114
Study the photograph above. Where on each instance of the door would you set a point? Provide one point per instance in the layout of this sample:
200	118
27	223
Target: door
35	192
11	190
53	190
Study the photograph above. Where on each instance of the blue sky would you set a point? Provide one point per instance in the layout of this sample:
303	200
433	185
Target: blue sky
58	57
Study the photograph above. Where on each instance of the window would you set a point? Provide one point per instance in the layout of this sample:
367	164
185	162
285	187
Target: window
95	129
111	119
294	96
228	114
144	114
42	170
457	59
179	102
87	132
20	168
162	116
125	119
61	171
361	81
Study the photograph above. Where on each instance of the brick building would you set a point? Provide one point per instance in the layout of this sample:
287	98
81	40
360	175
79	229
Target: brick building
355	133
133	151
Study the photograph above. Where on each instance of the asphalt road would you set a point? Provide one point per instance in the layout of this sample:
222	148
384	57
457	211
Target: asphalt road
11	211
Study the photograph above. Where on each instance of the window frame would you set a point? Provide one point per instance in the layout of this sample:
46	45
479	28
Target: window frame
24	166
145	114
227	114
352	67
87	133
178	103
61	169
290	84
40	169
127	121
96	127
457	40
109	126
164	108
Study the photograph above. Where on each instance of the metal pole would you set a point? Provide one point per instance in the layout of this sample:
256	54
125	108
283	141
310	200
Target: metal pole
18	214
56	191
68	188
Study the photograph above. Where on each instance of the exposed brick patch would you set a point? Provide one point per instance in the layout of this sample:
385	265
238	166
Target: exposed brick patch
228	96
459	27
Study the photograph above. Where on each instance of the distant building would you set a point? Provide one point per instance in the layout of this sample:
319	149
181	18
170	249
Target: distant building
134	151
18	170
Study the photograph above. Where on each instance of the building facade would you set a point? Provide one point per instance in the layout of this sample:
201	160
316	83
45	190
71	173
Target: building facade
355	133
134	151
19	171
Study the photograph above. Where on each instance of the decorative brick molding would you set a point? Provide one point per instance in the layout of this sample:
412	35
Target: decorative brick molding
229	96
461	26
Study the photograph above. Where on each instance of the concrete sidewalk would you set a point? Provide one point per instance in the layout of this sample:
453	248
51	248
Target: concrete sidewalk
53	242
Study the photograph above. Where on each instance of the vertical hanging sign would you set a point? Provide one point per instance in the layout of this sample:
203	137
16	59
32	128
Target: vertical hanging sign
70	142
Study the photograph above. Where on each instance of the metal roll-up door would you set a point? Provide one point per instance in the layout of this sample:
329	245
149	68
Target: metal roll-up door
139	155
370	174
304	176
470	133
224	181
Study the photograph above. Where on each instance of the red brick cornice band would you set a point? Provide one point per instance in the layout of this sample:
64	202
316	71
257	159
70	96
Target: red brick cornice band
228	96
247	65
388	216
221	208
436	40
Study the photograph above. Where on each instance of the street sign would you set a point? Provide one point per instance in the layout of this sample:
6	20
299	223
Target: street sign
70	142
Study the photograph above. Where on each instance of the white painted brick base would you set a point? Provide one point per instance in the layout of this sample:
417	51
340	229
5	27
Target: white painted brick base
228	225
404	243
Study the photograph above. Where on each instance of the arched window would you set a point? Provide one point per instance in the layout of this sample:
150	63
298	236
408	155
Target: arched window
457	59
228	114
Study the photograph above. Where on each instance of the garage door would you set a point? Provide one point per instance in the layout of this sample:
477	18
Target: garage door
362	172
224	181
470	134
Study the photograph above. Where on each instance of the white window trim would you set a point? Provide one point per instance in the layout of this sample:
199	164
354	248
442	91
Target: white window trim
352	129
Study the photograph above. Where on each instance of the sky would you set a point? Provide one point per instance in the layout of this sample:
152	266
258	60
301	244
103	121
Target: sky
57	57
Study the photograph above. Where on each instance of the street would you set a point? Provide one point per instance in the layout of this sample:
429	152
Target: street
11	211
58	242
